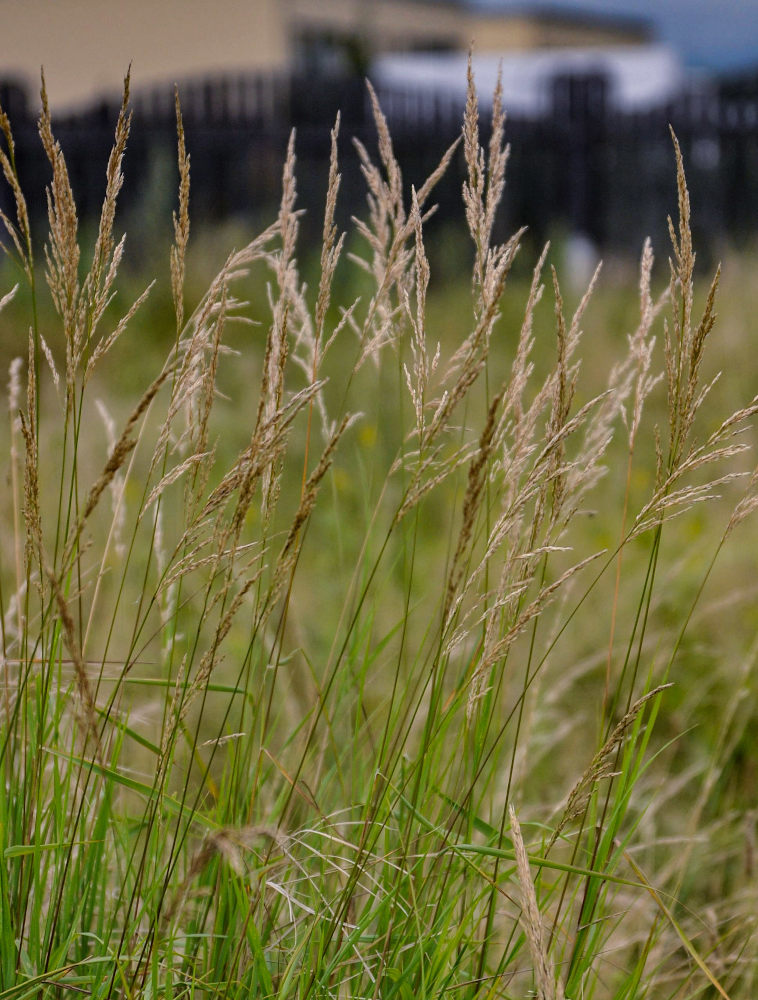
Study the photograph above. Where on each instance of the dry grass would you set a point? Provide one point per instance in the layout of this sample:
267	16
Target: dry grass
270	715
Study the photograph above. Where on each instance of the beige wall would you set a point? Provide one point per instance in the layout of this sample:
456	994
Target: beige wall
390	24
506	34
86	45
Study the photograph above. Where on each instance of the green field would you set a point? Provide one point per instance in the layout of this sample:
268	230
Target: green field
373	628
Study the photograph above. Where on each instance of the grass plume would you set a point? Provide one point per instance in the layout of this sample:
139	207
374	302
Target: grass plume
273	718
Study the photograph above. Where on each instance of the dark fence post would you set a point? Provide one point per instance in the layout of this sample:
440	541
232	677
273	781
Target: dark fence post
580	109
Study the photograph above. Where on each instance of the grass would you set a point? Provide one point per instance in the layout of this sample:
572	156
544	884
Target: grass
340	662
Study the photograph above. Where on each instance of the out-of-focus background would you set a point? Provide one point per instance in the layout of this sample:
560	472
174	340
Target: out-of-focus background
590	89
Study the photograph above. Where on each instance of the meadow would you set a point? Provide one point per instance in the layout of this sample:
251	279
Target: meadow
369	631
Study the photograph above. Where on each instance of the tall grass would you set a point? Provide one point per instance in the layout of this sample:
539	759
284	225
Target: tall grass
292	701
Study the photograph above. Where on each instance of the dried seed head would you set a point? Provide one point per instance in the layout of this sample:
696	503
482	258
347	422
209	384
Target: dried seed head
548	985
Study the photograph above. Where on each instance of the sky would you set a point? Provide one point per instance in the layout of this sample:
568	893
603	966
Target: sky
715	34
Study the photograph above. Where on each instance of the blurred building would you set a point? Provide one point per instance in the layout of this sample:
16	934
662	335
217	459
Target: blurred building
86	45
332	32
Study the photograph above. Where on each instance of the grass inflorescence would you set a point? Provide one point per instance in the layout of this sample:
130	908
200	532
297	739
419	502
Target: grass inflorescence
328	689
